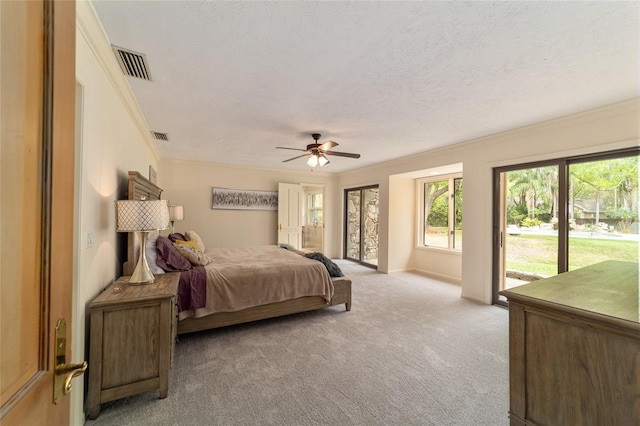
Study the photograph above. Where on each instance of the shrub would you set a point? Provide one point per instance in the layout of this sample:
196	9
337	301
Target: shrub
515	214
544	217
528	223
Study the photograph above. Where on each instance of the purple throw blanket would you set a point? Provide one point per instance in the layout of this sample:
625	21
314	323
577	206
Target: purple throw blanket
192	290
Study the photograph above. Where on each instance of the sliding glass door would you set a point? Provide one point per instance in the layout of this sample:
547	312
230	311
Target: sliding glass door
361	225
528	222
603	211
564	214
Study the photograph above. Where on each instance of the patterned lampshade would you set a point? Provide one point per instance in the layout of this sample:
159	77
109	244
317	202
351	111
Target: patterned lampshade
143	215
176	213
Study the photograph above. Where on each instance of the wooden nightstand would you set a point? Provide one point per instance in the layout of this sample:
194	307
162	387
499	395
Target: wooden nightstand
133	330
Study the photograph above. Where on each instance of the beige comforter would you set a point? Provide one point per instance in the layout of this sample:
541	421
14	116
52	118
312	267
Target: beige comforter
240	278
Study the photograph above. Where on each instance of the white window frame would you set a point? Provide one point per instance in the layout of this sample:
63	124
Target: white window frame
420	183
310	209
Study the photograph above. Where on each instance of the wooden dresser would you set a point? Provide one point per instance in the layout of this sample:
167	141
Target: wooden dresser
133	330
574	348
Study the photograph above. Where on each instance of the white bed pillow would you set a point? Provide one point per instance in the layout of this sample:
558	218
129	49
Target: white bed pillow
151	253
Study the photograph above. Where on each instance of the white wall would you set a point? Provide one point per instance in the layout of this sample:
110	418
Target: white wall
112	139
402	223
602	129
440	264
189	183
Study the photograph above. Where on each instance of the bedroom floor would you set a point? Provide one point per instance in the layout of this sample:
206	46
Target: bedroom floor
410	352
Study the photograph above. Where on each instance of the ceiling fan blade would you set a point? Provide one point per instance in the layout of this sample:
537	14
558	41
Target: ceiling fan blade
294	149
327	145
295	158
342	154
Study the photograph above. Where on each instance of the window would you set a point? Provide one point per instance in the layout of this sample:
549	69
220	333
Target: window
314	208
441	212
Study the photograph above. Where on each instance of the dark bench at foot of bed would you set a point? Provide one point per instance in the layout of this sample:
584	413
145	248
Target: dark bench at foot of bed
341	295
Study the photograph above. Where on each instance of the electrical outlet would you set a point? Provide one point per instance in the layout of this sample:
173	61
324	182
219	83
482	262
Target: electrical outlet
89	239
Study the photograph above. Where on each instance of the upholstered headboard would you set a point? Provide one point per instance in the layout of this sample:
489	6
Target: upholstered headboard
140	188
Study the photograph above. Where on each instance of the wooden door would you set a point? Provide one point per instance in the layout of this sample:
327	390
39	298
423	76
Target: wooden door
290	205
37	82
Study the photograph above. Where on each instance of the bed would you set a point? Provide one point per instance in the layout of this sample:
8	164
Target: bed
296	282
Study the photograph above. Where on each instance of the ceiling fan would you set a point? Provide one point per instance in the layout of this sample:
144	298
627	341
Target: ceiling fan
318	152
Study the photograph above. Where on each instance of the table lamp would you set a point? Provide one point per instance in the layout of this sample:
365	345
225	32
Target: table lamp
141	217
175	213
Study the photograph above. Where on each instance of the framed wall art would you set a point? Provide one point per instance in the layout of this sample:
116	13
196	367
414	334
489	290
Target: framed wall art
242	199
152	174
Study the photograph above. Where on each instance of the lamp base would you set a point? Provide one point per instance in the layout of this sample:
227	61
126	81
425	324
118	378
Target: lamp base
142	274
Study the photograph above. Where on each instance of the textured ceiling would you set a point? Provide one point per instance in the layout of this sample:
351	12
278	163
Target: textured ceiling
233	80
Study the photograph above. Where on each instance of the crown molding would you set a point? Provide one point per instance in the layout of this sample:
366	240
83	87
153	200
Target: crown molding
244	167
594	114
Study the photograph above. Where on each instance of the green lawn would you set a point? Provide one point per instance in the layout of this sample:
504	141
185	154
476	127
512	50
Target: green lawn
439	237
538	253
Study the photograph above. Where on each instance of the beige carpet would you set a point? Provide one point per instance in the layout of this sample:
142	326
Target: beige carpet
411	352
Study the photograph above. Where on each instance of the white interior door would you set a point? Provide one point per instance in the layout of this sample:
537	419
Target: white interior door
290	205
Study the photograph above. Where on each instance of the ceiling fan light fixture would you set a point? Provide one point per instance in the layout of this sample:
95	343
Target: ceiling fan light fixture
312	161
316	152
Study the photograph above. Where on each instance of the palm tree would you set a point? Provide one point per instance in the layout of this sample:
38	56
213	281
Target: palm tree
528	185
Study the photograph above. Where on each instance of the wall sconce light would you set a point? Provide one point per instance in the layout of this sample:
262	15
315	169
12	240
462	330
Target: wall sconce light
141	217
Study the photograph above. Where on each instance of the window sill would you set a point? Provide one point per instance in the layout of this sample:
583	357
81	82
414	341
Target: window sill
439	249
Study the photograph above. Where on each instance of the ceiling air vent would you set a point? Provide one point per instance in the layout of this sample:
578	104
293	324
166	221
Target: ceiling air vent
132	63
160	136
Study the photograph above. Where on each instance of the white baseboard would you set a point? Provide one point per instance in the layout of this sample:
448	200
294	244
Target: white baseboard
436	276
